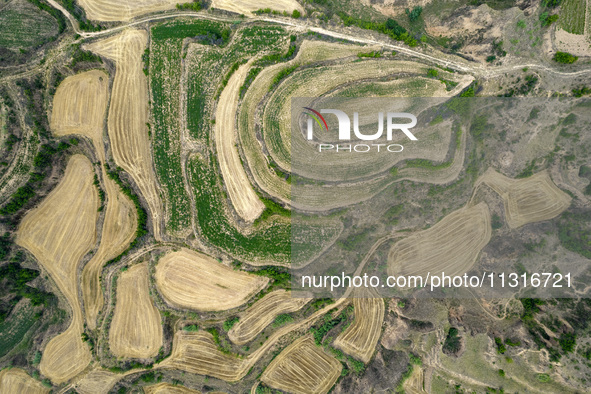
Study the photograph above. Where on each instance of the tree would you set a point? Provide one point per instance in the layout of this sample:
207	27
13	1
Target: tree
415	13
296	14
565	57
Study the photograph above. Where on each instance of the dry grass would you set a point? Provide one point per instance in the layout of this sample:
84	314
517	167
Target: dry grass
195	352
15	380
244	199
262	313
450	246
59	232
80	105
165	388
118	231
361	337
527	200
247	6
128	115
136	329
97	381
112	10
302	367
192	280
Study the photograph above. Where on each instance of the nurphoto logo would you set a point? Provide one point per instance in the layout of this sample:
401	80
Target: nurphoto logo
344	133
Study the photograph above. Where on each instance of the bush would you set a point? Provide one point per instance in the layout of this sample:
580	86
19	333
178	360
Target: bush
296	14
565	57
453	342
414	15
228	324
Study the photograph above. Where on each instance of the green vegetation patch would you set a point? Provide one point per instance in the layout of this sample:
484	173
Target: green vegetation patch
572	16
14	328
165	74
24	26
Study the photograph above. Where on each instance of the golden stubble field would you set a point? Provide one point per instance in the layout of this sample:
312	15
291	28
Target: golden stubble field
128	115
136	329
451	246
79	107
113	11
195	352
15	380
167	388
59	232
244	199
361	337
527	200
302	367
262	313
192	280
247	6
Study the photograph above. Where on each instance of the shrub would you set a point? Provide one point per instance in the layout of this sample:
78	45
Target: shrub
414	15
565	57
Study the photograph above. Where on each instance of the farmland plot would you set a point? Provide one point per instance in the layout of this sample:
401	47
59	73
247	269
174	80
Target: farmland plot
166	388
128	115
361	337
136	330
528	200
58	233
15	380
196	352
452	245
192	280
302	367
254	320
113	11
97	381
79	107
246	6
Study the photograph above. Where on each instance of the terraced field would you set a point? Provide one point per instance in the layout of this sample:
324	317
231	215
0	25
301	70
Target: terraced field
465	232
110	10
15	380
361	337
59	232
195	281
302	367
136	330
528	200
262	313
128	115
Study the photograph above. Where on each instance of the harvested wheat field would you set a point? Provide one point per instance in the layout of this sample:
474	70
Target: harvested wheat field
128	115
118	231
136	329
112	10
166	388
361	337
192	280
302	367
244	199
15	380
97	381
80	105
450	246
195	352
59	232
262	313
246	6
527	200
